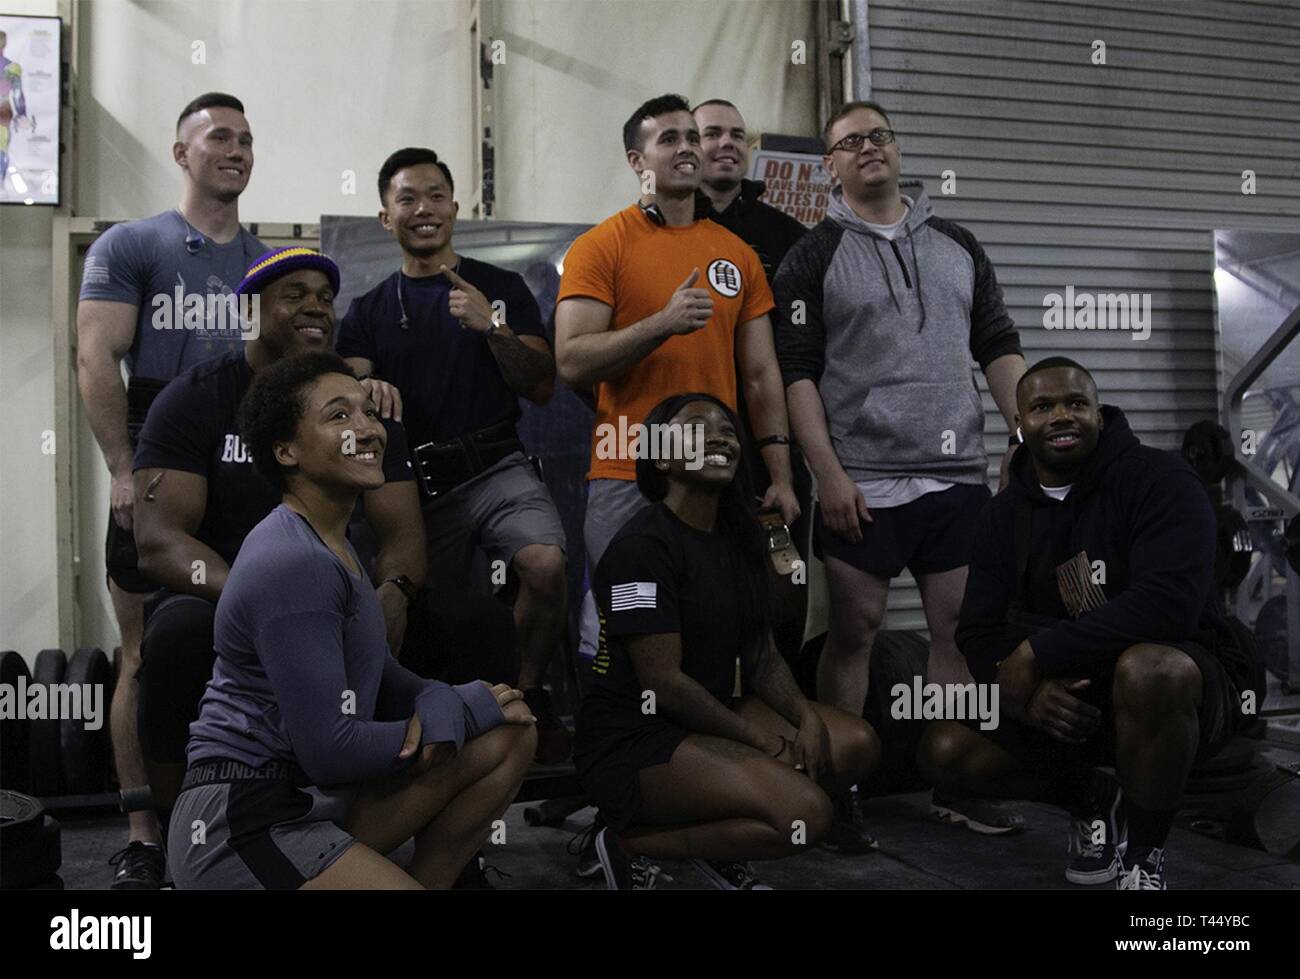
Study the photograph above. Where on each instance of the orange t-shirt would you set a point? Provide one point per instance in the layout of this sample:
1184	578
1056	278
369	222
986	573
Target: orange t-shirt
633	265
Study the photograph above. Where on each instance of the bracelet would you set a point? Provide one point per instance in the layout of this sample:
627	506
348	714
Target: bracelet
403	584
774	440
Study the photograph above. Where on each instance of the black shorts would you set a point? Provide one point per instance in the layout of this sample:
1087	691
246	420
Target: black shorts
120	556
613	743
123	561
1039	752
927	536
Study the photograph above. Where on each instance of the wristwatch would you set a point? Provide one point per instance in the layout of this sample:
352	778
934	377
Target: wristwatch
404	584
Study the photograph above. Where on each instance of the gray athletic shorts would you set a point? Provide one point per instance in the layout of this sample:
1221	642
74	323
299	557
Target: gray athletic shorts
501	510
610	504
241	828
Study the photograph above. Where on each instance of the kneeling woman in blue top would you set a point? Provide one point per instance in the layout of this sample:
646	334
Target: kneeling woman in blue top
679	769
315	753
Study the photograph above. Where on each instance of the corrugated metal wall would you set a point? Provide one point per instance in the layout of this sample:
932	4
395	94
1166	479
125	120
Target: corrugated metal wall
1109	178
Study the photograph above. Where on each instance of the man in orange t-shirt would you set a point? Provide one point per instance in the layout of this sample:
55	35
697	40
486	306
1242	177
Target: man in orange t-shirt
657	300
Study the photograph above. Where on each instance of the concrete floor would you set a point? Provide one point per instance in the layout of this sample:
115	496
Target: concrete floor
915	853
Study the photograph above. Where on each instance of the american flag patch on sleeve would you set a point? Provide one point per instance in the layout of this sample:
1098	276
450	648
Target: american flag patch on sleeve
634	594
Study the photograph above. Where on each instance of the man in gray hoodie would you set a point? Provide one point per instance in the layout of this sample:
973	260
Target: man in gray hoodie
881	312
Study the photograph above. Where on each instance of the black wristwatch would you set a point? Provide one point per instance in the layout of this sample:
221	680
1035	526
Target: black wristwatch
404	584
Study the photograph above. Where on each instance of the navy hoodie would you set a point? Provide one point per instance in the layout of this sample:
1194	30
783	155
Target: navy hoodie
1143	513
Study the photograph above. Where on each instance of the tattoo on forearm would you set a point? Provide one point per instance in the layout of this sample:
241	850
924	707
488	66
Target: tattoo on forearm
522	367
773	682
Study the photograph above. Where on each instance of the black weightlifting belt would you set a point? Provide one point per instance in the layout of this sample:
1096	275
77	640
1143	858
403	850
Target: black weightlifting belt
445	465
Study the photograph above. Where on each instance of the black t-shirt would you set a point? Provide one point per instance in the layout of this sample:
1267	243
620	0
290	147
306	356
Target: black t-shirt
661	575
193	426
449	380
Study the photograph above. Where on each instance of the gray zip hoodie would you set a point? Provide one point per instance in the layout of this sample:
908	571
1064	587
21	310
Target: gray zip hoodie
888	330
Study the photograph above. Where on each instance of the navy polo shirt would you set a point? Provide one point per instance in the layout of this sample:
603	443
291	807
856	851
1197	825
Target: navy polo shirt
448	378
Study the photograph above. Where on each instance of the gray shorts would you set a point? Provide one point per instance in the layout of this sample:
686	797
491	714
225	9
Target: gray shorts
501	510
610	504
240	828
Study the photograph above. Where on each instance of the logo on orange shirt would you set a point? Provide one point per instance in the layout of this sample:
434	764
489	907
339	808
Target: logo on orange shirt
724	277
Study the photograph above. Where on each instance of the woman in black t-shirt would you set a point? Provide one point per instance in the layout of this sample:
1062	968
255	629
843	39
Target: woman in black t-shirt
678	770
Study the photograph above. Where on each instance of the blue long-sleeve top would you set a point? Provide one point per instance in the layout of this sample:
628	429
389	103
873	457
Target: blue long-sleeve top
303	672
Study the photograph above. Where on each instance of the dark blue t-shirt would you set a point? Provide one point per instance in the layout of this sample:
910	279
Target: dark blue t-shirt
449	380
193	426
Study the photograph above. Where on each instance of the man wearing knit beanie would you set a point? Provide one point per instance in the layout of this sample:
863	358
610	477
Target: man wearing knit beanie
197	495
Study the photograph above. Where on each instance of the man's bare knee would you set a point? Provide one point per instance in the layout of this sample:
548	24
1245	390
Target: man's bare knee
943	749
804	815
1150	676
540	568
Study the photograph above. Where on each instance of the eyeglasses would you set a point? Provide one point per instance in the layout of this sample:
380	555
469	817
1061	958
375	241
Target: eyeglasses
853	141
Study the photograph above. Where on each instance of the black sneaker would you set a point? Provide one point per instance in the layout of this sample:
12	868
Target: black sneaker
583	846
140	867
474	876
624	873
1145	873
979	815
1097	839
848	833
554	740
726	875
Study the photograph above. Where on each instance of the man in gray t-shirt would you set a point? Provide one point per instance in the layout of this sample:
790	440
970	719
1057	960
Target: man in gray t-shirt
156	294
165	270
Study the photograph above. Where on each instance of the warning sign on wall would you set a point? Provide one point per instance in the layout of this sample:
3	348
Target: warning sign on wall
797	183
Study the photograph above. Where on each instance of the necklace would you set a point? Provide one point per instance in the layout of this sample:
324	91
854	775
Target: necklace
405	321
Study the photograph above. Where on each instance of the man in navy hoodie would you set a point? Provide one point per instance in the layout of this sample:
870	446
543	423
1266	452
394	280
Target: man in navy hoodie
1091	602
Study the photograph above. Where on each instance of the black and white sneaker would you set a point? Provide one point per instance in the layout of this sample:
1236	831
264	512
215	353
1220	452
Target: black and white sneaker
140	867
1097	841
1145	873
727	875
624	873
583	846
